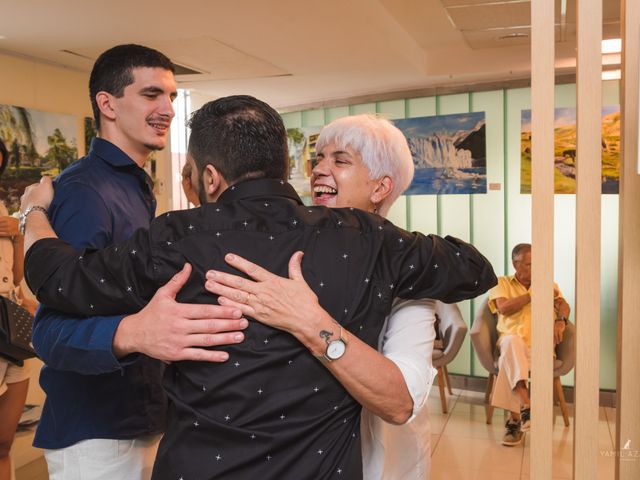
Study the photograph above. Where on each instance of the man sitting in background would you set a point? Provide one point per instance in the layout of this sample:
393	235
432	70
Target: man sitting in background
511	300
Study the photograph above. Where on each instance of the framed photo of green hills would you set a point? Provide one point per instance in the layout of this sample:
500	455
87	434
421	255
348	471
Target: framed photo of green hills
565	157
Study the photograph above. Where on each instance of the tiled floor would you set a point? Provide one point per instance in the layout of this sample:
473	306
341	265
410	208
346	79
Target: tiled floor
464	447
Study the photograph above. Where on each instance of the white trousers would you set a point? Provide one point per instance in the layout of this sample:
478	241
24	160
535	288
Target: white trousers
513	366
104	459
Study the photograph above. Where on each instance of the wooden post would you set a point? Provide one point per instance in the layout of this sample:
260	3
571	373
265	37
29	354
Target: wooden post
588	226
542	169
627	417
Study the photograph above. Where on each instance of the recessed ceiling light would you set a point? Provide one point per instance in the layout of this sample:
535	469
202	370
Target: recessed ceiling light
513	35
612	45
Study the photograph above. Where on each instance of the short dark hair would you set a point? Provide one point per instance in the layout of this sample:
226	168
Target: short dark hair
4	157
242	137
520	249
112	71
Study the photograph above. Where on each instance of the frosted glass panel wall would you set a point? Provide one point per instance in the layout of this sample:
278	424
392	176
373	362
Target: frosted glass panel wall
494	222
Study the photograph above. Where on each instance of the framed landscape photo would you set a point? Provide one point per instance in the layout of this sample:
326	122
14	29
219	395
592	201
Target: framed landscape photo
449	153
38	143
565	154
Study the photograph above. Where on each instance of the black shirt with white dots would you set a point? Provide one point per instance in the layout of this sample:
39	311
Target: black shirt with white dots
272	411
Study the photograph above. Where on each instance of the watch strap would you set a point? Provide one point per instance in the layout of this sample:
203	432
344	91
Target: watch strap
22	223
344	338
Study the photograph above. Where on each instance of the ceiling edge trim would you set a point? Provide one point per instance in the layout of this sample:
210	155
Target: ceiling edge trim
561	78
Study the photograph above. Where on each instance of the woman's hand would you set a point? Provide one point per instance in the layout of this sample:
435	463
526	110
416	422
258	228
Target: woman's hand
283	303
289	304
8	226
29	305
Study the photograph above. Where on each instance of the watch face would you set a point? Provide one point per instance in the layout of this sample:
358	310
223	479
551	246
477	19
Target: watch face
336	349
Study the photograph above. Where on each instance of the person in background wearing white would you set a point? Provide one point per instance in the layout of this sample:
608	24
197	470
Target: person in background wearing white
364	162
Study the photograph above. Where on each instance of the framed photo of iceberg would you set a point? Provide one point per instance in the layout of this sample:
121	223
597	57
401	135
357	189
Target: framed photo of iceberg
449	153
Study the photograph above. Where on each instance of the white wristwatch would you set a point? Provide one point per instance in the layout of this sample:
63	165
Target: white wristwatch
335	348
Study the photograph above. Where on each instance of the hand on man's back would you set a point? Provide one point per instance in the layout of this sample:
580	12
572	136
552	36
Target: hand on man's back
170	331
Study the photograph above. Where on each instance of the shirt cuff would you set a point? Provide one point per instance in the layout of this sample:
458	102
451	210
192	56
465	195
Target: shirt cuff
101	346
130	359
418	381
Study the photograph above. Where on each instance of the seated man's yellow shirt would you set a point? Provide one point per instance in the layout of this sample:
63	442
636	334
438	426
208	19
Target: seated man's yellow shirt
518	323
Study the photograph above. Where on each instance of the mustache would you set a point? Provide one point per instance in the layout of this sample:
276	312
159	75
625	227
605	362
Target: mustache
160	117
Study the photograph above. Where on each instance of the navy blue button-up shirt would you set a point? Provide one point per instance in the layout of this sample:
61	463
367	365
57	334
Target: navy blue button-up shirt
99	200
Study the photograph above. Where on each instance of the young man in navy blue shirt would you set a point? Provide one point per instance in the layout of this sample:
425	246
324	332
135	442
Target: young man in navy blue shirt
105	408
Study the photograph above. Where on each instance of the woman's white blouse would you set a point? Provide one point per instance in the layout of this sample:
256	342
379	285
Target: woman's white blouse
402	452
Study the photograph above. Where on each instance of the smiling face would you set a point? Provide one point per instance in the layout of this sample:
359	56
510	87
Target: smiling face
138	121
341	179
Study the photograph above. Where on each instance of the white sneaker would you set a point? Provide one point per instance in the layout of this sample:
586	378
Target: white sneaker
525	419
513	435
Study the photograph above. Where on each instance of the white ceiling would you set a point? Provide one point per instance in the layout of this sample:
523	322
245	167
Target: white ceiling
293	52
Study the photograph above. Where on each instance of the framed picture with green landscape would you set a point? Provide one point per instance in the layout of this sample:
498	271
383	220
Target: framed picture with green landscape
38	143
565	157
302	156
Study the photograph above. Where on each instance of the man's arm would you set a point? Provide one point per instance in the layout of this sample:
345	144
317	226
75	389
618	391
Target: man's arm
509	306
445	269
289	304
64	342
172	331
163	329
81	345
